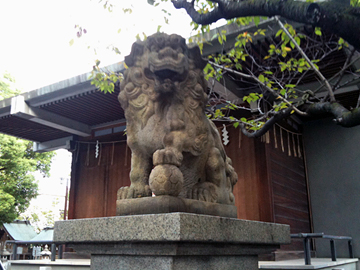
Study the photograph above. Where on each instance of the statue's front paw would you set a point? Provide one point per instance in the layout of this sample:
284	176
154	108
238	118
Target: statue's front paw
206	192
167	156
133	192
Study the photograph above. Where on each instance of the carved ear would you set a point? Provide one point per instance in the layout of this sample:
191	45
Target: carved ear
195	54
137	49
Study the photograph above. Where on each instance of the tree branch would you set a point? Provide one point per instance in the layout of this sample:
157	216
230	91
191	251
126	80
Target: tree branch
253	77
330	16
343	116
267	126
303	54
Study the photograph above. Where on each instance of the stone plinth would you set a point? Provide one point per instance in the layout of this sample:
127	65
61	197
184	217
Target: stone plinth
171	241
171	204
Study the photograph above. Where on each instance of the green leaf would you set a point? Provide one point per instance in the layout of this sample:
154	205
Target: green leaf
256	21
71	42
318	31
238	66
261	78
220	40
117	51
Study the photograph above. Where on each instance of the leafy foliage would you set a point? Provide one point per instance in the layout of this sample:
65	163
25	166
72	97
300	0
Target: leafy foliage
104	80
17	162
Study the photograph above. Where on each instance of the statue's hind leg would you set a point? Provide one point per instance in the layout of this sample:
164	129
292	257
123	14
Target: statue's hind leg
214	188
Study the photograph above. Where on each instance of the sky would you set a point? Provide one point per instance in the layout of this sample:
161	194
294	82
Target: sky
35	49
35	35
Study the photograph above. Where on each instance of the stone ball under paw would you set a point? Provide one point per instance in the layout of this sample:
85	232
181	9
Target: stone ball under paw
166	179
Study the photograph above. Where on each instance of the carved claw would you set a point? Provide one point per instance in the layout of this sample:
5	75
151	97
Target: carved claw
167	156
206	192
133	192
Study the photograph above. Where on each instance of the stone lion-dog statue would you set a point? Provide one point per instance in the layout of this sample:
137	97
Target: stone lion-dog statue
176	149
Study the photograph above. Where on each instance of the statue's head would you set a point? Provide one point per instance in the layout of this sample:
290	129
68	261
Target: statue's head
165	58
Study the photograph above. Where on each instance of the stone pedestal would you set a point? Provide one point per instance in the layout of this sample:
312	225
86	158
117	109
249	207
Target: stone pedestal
171	204
171	241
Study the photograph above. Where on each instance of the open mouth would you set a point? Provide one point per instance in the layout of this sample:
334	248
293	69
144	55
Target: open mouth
173	68
165	74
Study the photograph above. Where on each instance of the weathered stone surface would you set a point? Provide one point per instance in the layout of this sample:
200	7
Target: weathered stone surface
174	263
170	204
171	227
176	150
171	241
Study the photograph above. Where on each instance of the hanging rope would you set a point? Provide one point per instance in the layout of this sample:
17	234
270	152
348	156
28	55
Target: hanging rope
100	155
275	138
267	137
294	147
296	133
299	149
98	151
77	151
88	155
281	140
112	154
289	148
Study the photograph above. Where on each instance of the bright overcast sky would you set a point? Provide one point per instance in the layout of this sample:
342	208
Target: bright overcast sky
35	36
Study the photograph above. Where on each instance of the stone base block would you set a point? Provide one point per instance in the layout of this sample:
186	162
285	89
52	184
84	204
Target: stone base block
175	263
171	241
170	204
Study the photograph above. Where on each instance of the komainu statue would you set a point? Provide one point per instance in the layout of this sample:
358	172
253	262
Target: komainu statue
176	150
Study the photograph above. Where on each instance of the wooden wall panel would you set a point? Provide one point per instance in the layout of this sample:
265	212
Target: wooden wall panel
289	185
95	181
119	170
252	193
89	184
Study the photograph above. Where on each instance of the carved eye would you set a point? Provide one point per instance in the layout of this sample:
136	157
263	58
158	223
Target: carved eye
160	41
